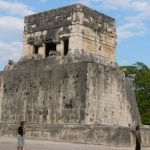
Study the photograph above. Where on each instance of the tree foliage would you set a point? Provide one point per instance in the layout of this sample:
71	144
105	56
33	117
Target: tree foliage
139	73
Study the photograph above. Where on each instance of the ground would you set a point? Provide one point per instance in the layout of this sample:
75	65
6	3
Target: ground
10	144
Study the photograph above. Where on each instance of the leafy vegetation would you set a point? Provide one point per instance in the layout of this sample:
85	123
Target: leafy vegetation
139	73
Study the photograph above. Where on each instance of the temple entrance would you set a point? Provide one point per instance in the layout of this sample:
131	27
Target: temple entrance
36	49
66	45
49	47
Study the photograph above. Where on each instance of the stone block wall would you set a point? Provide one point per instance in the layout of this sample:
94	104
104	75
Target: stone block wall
106	135
55	95
72	93
97	134
107	97
63	99
84	28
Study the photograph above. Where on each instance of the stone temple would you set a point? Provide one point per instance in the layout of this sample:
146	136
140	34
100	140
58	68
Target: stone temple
67	86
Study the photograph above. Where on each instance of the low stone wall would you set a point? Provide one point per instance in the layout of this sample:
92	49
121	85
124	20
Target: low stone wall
145	133
106	135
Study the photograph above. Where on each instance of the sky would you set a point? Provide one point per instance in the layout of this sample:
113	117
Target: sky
132	22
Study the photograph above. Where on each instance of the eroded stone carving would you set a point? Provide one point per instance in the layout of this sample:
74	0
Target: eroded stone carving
36	57
54	53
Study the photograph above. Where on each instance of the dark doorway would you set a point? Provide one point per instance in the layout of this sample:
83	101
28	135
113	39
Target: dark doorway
50	47
66	45
36	49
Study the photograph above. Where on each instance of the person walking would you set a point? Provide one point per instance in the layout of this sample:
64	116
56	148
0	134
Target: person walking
138	138
21	133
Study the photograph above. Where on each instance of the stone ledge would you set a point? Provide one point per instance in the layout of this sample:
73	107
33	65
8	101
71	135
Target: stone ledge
107	135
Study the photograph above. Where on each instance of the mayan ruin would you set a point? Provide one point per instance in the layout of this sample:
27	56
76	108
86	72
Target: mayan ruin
67	85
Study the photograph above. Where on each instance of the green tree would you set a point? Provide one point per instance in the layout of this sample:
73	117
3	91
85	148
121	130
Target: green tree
139	73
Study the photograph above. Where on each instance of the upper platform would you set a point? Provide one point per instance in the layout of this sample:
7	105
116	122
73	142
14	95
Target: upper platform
70	28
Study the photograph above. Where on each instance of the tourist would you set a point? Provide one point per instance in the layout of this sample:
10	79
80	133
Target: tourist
21	133
138	138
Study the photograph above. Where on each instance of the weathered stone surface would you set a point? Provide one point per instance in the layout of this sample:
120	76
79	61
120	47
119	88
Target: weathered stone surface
85	29
78	95
40	95
105	135
36	57
54	92
11	65
54	53
77	133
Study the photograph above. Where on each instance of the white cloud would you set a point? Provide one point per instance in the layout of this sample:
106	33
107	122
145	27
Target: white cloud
15	8
141	5
10	51
11	27
138	5
107	3
130	30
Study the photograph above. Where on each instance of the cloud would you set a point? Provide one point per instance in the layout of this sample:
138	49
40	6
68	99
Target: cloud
138	5
10	51
141	5
137	12
130	29
11	28
107	3
15	8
